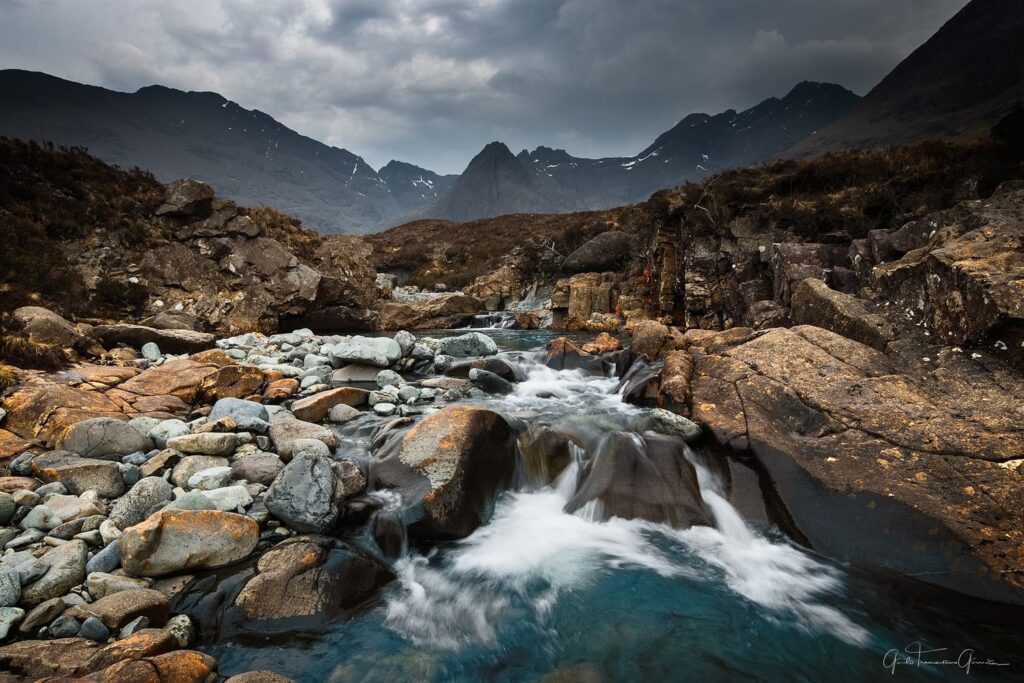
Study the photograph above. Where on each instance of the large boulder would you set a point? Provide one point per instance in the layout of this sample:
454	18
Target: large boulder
45	326
643	477
901	463
381	352
814	303
102	437
174	541
444	311
450	467
310	577
608	251
169	341
496	289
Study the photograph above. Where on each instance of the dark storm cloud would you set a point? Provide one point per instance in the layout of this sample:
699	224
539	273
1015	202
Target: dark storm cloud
432	81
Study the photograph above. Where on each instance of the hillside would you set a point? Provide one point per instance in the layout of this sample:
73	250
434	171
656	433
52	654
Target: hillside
956	85
552	180
245	155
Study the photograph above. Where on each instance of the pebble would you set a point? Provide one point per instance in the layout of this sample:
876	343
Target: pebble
93	629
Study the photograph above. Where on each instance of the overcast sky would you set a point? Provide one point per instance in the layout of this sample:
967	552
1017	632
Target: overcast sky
432	81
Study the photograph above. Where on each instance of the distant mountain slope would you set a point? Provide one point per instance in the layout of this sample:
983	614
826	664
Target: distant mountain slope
412	186
957	84
245	155
699	145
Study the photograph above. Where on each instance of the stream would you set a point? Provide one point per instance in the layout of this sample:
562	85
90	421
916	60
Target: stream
539	594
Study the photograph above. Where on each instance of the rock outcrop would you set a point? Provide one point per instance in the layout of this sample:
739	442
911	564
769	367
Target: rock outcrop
916	458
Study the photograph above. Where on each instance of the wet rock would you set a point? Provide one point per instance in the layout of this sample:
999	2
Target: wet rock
562	354
450	466
79	475
465	345
815	304
315	408
608	251
546	452
232	381
207	443
303	494
490	382
498	366
65	569
181	628
285	431
643	477
103	437
377	351
307	577
354	373
182	666
173	541
665	422
386	378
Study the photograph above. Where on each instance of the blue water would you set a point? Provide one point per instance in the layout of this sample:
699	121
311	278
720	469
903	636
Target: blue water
540	595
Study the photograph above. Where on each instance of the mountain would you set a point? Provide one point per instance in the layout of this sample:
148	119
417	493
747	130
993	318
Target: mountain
412	186
956	85
244	154
553	180
496	183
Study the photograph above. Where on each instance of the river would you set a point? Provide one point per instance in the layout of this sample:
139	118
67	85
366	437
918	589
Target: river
539	594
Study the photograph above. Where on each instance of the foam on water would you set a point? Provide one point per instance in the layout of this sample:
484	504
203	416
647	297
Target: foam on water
532	552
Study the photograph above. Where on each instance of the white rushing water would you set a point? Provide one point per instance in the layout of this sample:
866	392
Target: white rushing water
532	553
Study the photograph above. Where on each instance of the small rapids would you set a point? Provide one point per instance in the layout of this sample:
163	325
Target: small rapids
542	594
533	551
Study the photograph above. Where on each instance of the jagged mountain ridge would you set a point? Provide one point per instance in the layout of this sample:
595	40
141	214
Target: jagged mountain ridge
956	85
244	154
698	146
